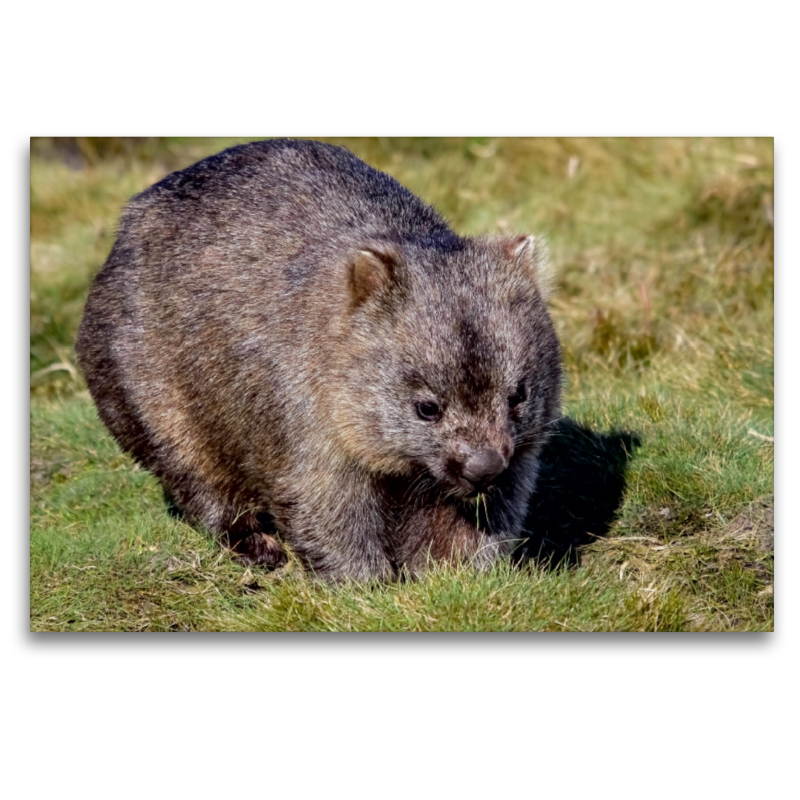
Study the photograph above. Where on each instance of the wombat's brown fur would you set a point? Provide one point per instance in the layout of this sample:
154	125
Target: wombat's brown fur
302	351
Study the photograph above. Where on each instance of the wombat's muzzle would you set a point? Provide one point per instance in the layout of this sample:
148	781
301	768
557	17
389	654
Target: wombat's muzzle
482	466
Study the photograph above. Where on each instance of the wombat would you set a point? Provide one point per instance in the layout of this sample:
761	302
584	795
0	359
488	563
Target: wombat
303	352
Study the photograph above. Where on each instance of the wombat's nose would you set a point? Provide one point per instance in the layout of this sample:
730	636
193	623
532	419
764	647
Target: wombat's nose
483	465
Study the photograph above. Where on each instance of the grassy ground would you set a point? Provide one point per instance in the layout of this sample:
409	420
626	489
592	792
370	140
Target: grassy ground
664	304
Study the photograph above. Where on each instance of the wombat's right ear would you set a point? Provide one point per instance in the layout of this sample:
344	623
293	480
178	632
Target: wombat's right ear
533	255
371	270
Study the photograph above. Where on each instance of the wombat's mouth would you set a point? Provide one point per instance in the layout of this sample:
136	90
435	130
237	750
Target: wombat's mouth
455	485
469	490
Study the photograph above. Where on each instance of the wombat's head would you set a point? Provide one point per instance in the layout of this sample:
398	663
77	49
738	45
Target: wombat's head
452	363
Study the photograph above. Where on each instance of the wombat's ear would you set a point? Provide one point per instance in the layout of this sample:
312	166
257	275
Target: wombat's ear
371	270
532	254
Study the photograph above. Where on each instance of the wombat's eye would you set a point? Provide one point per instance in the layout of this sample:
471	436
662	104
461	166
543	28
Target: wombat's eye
429	411
519	396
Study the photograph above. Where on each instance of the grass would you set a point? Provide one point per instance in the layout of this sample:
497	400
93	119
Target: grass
664	304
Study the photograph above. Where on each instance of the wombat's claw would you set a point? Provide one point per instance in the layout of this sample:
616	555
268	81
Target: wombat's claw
261	548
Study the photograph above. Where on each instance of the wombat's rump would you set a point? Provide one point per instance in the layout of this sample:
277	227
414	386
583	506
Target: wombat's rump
304	352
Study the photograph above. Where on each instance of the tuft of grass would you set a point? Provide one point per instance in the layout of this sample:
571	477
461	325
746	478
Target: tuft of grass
663	250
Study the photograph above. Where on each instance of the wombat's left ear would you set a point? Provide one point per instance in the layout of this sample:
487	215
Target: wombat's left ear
371	270
532	254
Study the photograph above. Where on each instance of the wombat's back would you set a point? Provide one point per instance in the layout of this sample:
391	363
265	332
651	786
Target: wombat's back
287	188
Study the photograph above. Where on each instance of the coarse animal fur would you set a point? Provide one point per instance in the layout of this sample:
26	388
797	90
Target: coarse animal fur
304	352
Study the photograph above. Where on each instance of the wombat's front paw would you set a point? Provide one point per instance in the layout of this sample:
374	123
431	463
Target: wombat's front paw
261	548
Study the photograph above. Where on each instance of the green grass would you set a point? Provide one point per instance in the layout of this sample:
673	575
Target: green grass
664	304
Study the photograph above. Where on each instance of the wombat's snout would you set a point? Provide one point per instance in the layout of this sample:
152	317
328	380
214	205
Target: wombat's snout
480	467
